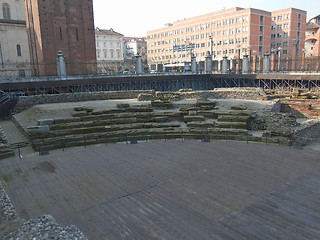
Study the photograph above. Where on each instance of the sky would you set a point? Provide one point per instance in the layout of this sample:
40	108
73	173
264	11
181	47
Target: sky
133	18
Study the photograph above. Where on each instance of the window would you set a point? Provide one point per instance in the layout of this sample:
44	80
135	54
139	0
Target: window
18	50
238	20
285	34
6	11
260	49
299	16
245	29
279	35
98	53
279	17
245	19
261	39
22	73
238	30
261	29
279	26
273	27
285	43
286	25
261	18
285	52
77	35
286	16
60	31
273	35
231	21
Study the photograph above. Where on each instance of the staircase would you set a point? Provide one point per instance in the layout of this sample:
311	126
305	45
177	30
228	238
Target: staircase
7	105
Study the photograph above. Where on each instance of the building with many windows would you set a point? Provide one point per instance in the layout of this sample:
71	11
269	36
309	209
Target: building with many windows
288	30
231	32
14	48
109	47
312	45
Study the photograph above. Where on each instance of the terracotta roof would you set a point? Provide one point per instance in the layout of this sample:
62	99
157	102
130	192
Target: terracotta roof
110	31
312	26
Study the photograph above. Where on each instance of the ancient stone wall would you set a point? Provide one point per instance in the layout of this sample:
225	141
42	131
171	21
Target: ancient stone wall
223	93
28	101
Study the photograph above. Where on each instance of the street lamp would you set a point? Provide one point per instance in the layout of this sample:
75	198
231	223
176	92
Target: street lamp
279	58
211	50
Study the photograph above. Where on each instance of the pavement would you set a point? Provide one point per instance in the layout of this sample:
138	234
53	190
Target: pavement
172	190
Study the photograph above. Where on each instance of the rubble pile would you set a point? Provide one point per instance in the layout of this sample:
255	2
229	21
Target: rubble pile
43	228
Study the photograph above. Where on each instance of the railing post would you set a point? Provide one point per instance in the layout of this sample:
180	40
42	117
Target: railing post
19	151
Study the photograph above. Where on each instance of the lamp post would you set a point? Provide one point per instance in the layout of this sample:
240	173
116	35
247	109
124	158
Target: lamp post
279	58
211	51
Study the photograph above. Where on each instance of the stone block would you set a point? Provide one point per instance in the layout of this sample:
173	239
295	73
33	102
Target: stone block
66	120
237	125
233	118
239	107
123	105
195	118
161	104
79	113
49	121
146	97
43	128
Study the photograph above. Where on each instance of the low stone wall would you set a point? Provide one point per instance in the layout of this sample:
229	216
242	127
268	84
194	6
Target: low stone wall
222	93
27	101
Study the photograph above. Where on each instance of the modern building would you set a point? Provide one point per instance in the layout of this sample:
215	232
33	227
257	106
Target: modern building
14	48
109	50
312	45
66	26
288	30
231	32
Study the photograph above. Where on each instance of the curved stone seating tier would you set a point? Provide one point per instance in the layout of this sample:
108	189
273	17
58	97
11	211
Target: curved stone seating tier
6	151
202	120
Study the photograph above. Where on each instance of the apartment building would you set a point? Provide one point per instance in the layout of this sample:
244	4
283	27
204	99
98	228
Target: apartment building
14	48
231	32
288	30
312	45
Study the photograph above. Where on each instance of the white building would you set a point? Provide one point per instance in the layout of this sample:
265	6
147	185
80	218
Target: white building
14	48
110	50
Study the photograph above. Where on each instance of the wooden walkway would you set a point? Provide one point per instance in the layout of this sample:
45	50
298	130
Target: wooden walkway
172	190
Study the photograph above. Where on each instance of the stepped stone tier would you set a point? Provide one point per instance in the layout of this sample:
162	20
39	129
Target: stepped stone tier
159	120
5	149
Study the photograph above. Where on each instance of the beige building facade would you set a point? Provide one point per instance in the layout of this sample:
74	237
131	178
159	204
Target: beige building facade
109	50
230	33
14	48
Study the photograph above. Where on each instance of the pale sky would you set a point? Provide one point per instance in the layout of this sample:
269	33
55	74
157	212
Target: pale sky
133	18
